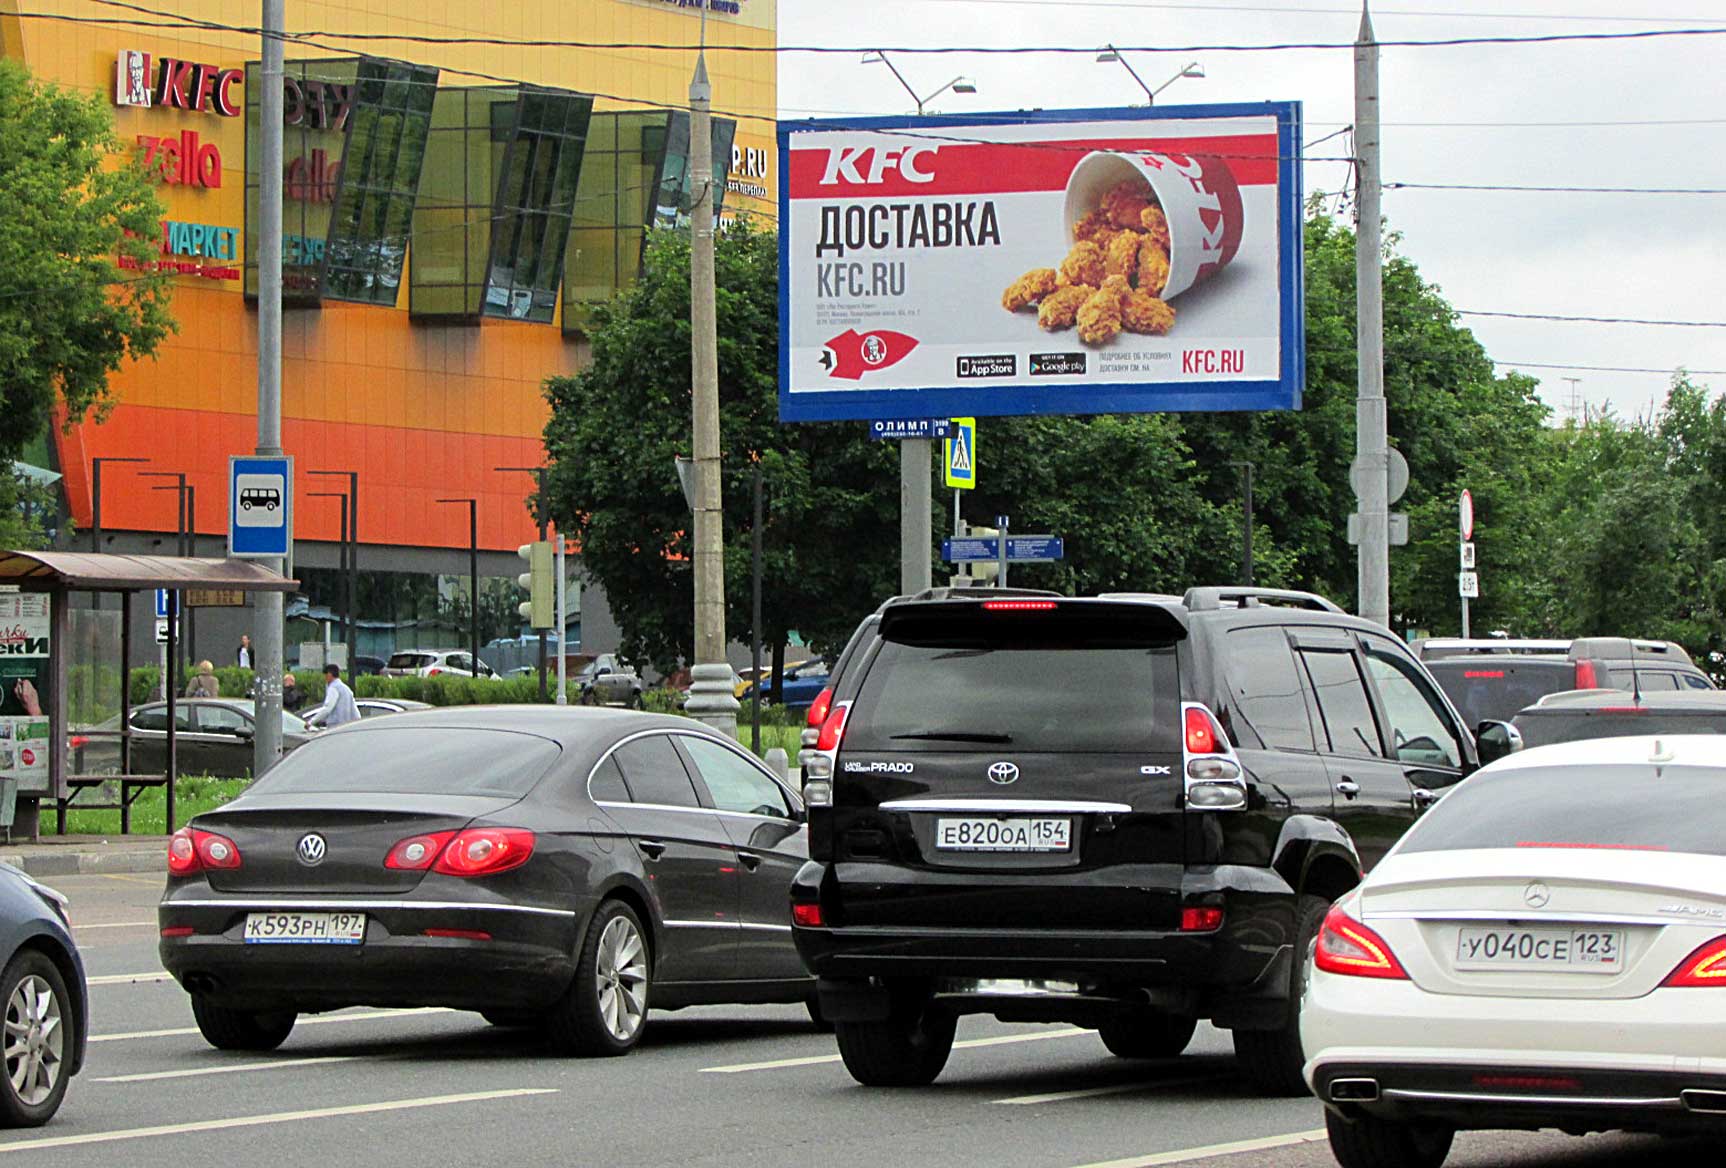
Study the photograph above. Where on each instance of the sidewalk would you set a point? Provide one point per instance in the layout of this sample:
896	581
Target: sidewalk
81	855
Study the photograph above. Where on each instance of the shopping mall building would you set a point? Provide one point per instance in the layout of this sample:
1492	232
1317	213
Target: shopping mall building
452	206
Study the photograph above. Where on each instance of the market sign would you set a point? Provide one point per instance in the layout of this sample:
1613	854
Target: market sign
144	80
1050	262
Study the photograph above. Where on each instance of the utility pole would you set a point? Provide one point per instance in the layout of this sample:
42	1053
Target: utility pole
1246	469
1371	441
710	697
562	626
267	635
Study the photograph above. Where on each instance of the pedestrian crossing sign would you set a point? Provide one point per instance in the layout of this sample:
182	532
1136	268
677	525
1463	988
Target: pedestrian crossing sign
959	454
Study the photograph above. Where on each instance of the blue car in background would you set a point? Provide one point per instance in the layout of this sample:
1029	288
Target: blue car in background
803	684
45	997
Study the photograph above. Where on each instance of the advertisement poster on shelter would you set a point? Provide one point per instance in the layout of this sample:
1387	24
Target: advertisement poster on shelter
24	687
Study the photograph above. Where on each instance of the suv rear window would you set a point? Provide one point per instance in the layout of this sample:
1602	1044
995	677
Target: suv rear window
1574	807
1488	689
1036	696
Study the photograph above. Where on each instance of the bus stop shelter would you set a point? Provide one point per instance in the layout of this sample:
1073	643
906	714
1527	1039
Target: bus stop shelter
35	639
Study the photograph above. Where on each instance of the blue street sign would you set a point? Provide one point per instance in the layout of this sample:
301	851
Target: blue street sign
913	428
165	603
1021	549
260	507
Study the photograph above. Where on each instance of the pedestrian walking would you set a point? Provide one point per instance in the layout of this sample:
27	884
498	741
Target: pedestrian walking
243	655
203	683
338	708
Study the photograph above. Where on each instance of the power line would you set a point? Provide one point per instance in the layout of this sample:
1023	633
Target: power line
1612	368
1163	5
1593	319
1408	186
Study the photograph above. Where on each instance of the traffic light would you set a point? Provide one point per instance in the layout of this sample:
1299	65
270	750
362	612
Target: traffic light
540	581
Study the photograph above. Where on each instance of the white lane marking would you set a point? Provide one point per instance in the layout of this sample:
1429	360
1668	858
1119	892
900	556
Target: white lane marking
374	1016
229	1069
116	925
1188	1155
817	1060
175	1129
1093	1092
128	978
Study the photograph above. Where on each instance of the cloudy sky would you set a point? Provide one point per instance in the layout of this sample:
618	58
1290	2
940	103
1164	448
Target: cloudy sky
1619	114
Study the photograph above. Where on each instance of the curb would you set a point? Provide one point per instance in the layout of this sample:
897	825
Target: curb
59	863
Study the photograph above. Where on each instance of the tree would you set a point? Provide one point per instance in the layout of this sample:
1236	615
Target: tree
76	204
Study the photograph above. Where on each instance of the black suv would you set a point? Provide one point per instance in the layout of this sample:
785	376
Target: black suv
1126	812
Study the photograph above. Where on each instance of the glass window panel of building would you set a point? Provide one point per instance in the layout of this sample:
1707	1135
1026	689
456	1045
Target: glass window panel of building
373	213
452	220
535	203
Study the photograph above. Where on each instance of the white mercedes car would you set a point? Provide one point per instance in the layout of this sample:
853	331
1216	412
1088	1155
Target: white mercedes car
1546	948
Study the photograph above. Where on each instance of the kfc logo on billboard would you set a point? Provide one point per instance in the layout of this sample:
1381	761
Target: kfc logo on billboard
144	81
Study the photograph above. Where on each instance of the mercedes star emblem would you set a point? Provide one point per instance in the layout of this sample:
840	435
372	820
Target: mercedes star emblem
311	849
1003	773
1537	894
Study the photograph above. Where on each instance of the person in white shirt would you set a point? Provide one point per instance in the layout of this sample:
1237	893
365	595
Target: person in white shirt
243	655
338	708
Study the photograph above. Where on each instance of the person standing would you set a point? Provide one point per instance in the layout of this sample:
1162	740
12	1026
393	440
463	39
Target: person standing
204	684
338	708
293	697
243	655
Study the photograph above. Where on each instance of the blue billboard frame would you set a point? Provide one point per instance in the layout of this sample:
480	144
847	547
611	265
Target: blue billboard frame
1285	393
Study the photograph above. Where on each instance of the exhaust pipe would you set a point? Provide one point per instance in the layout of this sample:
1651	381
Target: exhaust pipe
1705	1102
199	983
1354	1091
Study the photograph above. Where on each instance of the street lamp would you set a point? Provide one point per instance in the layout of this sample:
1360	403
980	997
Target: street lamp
1109	55
96	497
347	597
957	85
350	559
473	572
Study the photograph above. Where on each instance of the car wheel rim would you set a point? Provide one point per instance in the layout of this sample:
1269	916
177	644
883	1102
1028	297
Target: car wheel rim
35	1040
622	976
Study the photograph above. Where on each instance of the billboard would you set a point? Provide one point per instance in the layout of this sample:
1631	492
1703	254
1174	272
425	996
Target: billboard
1046	262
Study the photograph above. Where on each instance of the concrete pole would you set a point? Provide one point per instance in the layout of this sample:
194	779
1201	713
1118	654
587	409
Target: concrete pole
916	525
1371	443
562	626
710	697
267	631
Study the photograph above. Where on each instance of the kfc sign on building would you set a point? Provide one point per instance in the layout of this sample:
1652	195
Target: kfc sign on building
145	81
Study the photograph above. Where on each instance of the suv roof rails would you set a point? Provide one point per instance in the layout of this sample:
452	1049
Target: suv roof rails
946	593
1211	599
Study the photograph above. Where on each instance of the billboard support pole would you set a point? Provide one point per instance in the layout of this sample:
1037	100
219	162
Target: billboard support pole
1371	442
267	639
916	523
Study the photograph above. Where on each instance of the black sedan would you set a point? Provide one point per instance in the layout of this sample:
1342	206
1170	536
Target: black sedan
46	1001
564	869
213	736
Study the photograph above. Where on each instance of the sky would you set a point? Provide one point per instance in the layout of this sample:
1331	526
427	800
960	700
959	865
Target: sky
1620	114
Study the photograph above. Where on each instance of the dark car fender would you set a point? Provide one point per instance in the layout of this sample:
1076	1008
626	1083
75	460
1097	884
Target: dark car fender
1315	856
626	886
26	922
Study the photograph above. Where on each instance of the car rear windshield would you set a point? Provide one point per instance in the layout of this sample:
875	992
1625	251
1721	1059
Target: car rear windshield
410	661
1485	690
419	761
1078	696
1574	807
1546	727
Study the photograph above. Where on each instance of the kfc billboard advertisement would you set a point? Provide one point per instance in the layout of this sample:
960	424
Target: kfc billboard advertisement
1070	262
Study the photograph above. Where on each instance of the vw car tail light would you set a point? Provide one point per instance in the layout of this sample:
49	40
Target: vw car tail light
191	851
418	852
484	851
1347	947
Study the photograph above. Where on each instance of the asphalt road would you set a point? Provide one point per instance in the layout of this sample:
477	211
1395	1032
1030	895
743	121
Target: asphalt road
720	1086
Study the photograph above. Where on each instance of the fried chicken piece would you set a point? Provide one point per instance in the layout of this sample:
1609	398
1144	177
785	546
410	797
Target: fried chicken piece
1060	308
1143	313
1126	203
1153	268
1100	317
1093	225
1153	221
1083	265
1028	289
1121	257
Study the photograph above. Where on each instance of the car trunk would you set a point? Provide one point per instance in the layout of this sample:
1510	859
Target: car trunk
1037	749
358	832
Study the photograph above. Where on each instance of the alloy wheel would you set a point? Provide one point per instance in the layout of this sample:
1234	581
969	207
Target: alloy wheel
35	1040
621	975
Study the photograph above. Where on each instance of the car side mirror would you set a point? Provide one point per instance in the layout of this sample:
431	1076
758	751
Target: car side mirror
1496	740
602	671
244	732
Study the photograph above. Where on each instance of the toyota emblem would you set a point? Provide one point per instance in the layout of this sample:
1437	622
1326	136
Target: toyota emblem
311	849
1003	773
1537	894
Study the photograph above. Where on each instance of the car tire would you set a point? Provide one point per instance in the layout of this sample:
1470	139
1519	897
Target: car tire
906	1049
1148	1036
36	1069
1366	1142
228	1029
822	1022
604	1011
1272	1060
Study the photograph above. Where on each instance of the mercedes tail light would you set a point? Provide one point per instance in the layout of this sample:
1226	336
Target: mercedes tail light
820	708
1705	967
484	851
418	852
1347	947
191	850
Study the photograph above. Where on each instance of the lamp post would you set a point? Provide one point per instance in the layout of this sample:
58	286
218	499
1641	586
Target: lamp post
957	85
540	516
96	497
1109	55
473	572
347	597
350	560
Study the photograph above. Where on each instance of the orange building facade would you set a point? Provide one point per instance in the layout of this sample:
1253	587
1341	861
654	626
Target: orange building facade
450	208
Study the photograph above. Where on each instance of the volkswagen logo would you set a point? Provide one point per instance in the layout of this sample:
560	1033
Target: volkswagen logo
1003	773
311	849
1537	894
